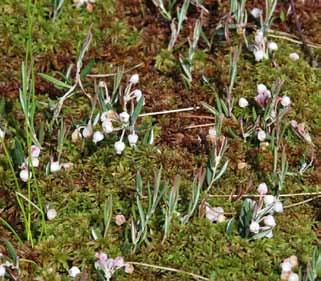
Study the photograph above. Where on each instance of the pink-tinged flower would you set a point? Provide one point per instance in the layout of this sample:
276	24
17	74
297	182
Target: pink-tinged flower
256	12
269	221
51	214
120	219
285	101
294	56
132	139
263	98
268	200
278	207
272	46
35	151
118	262
286	265
262	188
258	54
293	277
74	271
254	227
25	174
134	79
261	88
213	214
261	135
243	102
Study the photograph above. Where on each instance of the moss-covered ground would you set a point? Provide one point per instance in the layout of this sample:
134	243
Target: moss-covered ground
127	33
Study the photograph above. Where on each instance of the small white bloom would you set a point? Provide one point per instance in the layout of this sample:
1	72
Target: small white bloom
286	265
2	134
119	147
269	221
132	139
278	207
262	188
294	56
213	214
120	219
2	270
243	102
74	271
55	166
35	162
259	37
261	89
104	116
272	46
87	131
256	12
25	174
137	94
258	54
51	214
285	101
134	79
261	135
107	126
35	151
98	136
124	117
293	277
254	227
268	199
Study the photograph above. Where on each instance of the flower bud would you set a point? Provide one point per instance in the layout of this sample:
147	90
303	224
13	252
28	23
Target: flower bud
2	268
286	265
259	37
25	174
261	135
35	151
294	56
98	136
87	131
285	101
120	219
2	134
243	102
107	126
134	79
74	271
137	94
256	12
269	235
51	214
269	221
254	227
55	166
259	55
221	218
262	188
119	147
268	199
272	46
124	117
278	207
35	162
261	88
132	139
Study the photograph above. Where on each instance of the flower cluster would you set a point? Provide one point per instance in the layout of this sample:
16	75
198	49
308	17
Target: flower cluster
287	267
25	173
262	47
110	266
214	214
271	110
111	121
263	213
